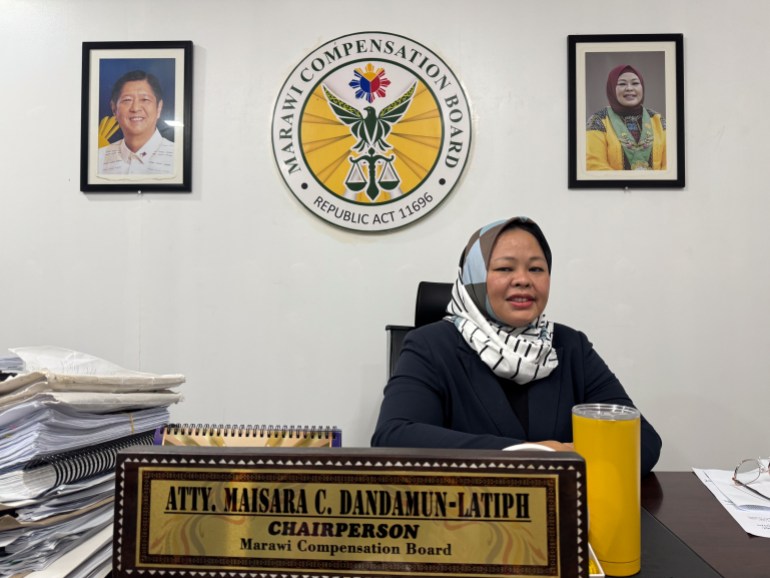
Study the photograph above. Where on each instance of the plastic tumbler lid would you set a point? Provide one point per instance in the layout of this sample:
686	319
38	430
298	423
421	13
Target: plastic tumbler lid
606	411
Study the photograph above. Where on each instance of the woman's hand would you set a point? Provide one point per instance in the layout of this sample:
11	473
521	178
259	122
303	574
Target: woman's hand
557	446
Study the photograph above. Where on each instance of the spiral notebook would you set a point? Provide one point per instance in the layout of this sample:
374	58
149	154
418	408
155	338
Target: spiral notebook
251	436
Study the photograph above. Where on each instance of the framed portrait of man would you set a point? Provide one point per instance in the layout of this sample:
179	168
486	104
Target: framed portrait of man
626	111
136	124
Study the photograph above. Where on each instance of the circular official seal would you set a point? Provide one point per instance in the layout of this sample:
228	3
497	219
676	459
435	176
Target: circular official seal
371	131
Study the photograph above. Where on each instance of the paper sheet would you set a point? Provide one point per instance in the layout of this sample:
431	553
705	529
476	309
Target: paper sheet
750	511
76	371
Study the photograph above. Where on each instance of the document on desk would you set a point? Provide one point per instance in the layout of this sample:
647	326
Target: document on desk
750	511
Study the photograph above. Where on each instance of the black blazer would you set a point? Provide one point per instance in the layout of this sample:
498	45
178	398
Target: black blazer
441	395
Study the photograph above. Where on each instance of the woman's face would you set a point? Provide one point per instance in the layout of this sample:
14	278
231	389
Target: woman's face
518	280
628	90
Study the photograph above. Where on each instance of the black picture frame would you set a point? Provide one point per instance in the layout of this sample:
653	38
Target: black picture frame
660	61
165	163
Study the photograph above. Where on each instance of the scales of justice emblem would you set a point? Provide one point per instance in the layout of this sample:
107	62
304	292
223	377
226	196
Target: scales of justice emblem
371	136
371	129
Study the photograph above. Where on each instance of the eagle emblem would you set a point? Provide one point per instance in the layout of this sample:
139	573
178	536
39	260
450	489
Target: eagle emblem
369	128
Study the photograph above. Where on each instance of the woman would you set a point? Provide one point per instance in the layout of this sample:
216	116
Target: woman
625	135
495	372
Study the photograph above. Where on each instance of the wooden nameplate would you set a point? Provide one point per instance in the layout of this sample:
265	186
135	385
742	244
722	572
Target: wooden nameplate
349	512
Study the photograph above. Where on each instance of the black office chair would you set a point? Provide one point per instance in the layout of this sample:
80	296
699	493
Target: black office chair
430	306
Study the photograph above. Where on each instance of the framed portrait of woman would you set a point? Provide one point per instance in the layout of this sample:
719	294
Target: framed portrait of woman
626	111
136	118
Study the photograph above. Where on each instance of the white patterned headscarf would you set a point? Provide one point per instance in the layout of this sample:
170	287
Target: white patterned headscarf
521	354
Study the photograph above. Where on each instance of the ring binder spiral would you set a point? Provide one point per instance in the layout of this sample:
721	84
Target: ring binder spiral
227	435
50	471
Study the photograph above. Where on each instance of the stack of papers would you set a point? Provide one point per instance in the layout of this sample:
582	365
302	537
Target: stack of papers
36	428
92	558
63	416
749	510
85	382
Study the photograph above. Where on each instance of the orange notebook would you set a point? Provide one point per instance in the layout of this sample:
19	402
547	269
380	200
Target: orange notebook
248	436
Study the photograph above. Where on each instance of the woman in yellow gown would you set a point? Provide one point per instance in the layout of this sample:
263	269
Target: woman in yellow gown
625	135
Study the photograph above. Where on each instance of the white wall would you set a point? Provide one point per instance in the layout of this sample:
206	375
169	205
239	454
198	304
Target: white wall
277	317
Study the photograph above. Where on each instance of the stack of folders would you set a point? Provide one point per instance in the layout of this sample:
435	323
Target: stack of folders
64	415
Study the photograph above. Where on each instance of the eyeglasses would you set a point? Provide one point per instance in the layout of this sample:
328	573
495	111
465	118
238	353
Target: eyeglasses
747	472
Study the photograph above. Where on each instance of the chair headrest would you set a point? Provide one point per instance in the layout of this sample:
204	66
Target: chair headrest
432	299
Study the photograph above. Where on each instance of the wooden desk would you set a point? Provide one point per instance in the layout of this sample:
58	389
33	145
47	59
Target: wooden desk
681	503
